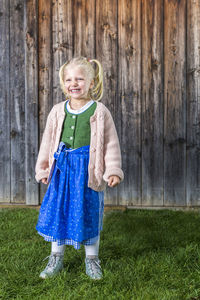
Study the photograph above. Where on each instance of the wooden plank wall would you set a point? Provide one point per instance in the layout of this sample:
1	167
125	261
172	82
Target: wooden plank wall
152	103
18	101
150	51
5	173
193	104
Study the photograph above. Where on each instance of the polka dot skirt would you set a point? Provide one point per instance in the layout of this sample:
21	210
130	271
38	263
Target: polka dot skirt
71	213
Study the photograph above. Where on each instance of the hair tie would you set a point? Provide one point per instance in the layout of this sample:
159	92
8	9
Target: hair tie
88	59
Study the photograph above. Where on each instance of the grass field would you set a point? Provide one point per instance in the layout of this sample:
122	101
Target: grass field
145	254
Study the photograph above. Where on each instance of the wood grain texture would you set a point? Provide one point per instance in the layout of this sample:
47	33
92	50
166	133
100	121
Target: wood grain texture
129	100
31	100
107	54
175	102
84	28
152	103
193	103
45	62
17	101
150	52
45	68
62	42
5	144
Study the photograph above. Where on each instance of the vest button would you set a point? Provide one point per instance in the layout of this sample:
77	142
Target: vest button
73	117
72	127
71	138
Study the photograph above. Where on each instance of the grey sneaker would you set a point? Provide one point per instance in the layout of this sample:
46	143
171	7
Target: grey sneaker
55	265
93	268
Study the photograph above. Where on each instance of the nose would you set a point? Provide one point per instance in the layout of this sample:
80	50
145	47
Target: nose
74	82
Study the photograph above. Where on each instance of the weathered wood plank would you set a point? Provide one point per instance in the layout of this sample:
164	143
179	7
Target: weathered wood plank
175	102
17	102
62	42
45	68
4	104
193	103
107	53
129	102
31	100
152	103
45	61
84	28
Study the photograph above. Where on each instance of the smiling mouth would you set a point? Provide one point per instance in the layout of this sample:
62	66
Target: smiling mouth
75	90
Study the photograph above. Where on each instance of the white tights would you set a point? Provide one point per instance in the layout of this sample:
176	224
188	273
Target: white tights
90	250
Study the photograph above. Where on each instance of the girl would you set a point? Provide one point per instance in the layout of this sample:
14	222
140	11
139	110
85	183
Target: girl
78	155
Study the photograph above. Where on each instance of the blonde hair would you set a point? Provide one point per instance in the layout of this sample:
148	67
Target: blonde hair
93	73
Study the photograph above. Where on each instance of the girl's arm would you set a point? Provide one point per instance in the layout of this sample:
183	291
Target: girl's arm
42	164
112	152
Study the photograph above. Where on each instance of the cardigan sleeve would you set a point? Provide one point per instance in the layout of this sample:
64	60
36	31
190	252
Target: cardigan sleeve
112	152
42	164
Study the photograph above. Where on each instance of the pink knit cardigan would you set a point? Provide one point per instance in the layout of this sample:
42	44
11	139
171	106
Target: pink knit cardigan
105	154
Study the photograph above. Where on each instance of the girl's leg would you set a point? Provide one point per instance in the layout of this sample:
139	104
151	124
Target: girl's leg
92	262
92	251
57	249
55	263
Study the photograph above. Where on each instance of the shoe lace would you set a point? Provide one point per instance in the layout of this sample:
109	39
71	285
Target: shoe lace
51	262
94	265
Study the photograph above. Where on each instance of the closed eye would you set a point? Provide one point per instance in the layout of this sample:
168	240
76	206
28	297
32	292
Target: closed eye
76	79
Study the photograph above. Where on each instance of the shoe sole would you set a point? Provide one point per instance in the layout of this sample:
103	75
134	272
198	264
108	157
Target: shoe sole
49	276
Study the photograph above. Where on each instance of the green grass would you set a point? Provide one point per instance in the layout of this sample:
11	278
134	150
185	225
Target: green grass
145	255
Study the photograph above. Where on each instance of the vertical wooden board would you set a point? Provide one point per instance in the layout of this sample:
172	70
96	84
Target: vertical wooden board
31	100
175	102
45	68
5	104
107	54
129	102
193	103
152	103
62	42
84	28
45	62
17	103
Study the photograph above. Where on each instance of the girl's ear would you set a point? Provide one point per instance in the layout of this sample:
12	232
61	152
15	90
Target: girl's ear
92	84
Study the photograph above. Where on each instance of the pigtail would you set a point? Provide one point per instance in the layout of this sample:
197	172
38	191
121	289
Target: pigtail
97	90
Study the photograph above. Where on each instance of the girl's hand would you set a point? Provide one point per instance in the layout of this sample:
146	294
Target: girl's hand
113	180
44	180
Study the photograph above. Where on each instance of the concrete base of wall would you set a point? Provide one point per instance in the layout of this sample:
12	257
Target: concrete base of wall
17	205
184	208
110	207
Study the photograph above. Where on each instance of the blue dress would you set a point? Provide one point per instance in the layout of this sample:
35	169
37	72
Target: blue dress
71	213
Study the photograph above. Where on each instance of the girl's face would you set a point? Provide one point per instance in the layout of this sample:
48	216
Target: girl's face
76	83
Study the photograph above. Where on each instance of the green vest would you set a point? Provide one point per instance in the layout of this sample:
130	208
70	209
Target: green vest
76	128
